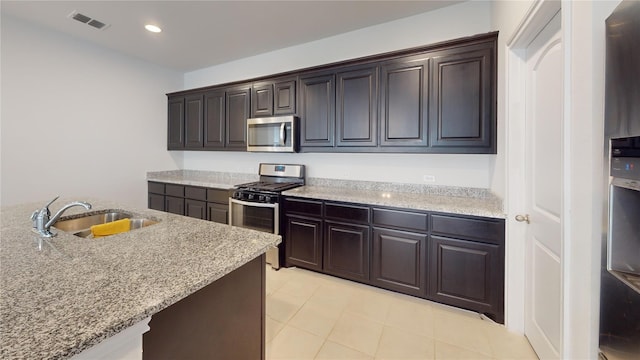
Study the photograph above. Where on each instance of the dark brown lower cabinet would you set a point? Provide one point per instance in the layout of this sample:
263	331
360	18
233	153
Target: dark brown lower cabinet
449	258
224	320
194	201
304	242
218	213
467	274
346	250
174	205
156	202
399	261
195	209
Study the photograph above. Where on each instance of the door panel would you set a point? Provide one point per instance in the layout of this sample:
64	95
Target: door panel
317	110
214	119
543	197
403	112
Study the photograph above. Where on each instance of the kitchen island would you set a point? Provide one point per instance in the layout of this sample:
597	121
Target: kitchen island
63	295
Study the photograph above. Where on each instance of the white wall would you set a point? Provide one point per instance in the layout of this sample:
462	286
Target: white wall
585	34
79	120
452	22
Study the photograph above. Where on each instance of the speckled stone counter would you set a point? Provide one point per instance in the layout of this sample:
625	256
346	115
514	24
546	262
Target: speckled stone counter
63	295
211	179
448	199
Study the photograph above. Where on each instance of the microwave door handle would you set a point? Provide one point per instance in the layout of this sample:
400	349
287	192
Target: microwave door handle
283	134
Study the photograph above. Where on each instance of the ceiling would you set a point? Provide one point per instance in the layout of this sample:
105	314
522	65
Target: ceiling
198	34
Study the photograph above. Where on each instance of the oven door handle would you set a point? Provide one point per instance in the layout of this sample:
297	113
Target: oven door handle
254	204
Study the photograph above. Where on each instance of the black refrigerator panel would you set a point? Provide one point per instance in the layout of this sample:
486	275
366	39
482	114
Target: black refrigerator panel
619	319
622	81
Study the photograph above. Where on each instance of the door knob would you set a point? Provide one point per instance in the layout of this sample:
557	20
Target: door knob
521	218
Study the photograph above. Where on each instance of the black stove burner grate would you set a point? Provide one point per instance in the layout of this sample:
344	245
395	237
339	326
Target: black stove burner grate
269	186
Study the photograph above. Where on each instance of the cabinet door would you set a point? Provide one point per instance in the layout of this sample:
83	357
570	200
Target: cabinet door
218	213
346	250
195	209
175	132
236	120
193	121
284	97
467	274
262	99
399	261
462	112
357	107
303	242
156	202
174	205
403	107
214	119
317	111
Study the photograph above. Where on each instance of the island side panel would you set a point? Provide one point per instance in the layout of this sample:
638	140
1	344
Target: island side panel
224	320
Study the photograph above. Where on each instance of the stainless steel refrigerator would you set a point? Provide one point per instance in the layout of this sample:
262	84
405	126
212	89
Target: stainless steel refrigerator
620	275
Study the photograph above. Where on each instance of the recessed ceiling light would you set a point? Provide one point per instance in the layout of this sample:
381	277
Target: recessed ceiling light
152	28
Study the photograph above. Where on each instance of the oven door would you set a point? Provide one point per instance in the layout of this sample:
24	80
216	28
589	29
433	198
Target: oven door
257	216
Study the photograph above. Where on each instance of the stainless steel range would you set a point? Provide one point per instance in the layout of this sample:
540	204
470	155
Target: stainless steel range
256	205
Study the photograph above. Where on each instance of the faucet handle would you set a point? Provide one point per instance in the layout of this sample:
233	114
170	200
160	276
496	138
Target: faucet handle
51	202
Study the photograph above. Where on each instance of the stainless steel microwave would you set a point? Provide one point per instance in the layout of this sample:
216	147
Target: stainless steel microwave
272	134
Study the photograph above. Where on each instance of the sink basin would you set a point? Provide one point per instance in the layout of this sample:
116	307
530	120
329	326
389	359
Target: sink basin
80	225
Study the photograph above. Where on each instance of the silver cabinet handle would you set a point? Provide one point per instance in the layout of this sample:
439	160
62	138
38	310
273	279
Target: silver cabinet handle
521	218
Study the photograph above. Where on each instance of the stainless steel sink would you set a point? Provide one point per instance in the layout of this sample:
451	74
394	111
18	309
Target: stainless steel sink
81	225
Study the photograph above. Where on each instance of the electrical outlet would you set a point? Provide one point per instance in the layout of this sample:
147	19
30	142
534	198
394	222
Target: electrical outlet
429	178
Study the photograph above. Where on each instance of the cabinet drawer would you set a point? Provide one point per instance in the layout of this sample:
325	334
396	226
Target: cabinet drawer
196	193
174	190
219	196
400	219
487	230
218	213
350	213
156	188
300	206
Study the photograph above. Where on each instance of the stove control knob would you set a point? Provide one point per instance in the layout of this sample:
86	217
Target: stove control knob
251	196
261	198
267	199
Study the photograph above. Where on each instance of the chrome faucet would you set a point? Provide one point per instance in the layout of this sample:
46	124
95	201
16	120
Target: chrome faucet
42	221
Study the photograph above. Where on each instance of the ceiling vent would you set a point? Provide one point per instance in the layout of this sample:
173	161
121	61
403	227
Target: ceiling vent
75	15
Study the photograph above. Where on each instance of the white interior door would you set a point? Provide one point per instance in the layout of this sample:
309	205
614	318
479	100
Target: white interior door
543	191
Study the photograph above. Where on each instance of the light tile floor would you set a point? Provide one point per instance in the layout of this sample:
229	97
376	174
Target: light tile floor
315	316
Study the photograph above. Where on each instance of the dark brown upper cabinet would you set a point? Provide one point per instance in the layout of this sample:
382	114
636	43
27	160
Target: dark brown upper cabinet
273	97
193	121
262	99
214	119
438	98
462	114
238	109
175	132
357	107
404	102
317	110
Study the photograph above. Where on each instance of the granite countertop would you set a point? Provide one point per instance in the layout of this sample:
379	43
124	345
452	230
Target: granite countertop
62	295
211	179
447	199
